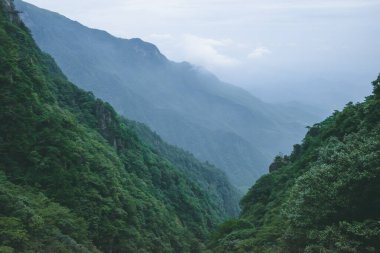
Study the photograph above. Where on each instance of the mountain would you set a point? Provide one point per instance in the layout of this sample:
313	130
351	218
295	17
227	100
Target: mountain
186	105
324	197
74	175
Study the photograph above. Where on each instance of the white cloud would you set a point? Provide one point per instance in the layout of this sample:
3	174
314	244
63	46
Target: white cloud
259	52
207	52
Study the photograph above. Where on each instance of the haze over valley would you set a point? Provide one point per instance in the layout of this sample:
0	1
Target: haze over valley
178	126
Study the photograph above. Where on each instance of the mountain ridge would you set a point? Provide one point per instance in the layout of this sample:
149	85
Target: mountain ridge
75	178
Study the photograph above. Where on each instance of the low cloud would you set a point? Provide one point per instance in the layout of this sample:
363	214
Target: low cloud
207	52
259	52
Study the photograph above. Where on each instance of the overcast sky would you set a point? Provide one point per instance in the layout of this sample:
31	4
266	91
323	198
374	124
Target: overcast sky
324	52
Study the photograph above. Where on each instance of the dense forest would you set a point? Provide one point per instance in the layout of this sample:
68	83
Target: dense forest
75	177
323	198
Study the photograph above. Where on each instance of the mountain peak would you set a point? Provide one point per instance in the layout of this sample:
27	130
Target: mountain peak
137	48
146	49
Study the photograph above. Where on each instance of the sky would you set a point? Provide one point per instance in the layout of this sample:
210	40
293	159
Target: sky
320	52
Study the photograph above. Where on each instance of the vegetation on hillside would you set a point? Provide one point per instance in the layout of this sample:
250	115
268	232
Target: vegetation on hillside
210	179
74	177
324	197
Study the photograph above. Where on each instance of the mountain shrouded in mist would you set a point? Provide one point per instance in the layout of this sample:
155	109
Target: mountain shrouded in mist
186	105
77	177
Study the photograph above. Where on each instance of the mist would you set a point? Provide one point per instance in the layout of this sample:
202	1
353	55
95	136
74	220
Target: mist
322	53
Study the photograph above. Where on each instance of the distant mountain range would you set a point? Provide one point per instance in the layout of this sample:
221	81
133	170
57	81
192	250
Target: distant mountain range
186	105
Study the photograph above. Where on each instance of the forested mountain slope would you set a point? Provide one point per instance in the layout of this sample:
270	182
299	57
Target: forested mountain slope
75	178
324	197
210	178
187	106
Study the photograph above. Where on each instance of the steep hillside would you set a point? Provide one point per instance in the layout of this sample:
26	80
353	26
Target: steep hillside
210	178
74	177
324	197
187	106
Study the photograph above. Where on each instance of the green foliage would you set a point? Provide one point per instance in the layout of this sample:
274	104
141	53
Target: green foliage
324	197
29	221
75	177
213	181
